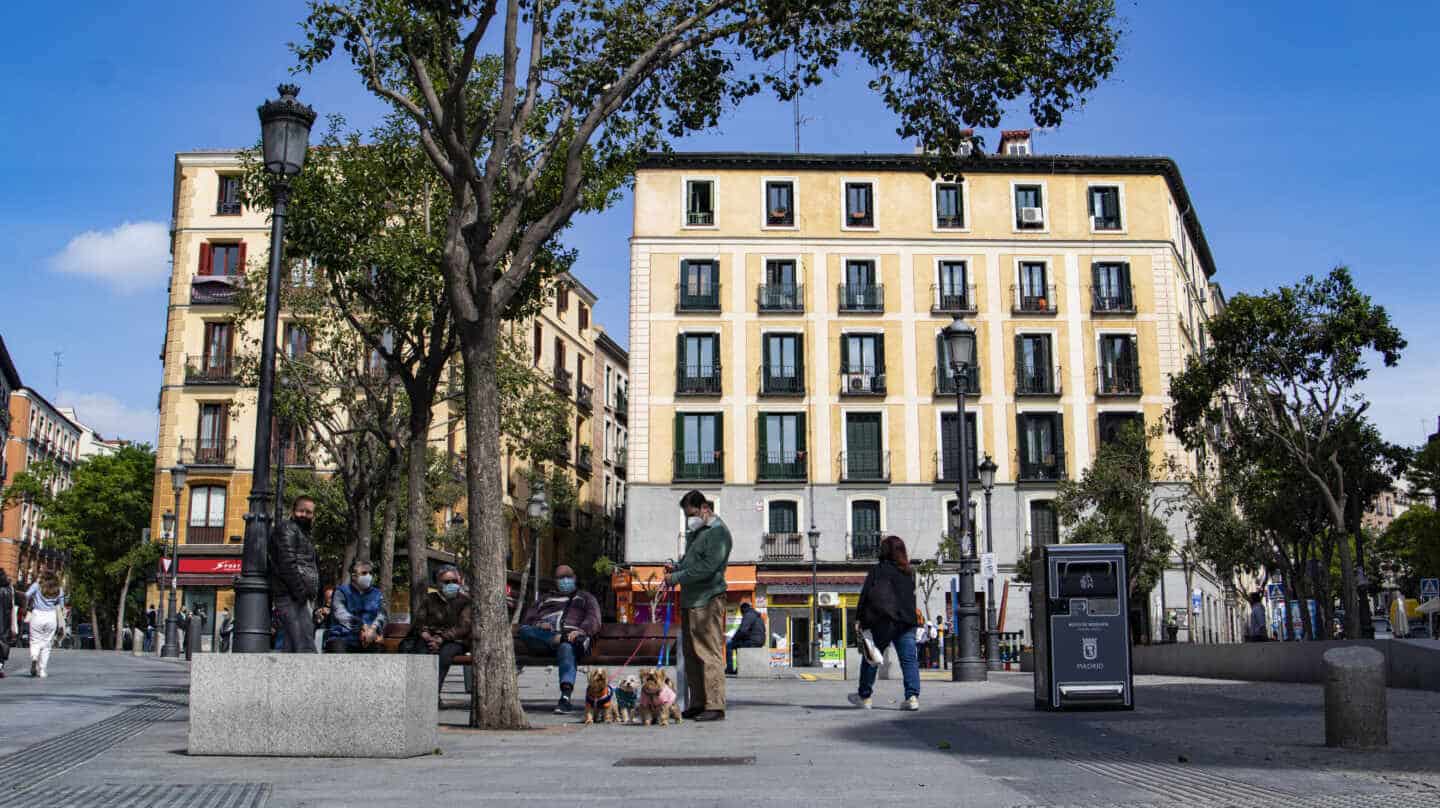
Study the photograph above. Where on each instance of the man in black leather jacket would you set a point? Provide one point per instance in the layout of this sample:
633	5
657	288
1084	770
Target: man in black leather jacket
295	576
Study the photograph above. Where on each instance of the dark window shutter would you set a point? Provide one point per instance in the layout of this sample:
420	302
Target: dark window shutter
1019	358
844	353
205	259
880	353
800	360
1020	437
240	267
679	448
800	432
680	359
1059	421
720	442
1125	274
972	445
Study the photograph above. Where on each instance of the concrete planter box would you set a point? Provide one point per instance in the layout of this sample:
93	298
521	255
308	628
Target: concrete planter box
1409	664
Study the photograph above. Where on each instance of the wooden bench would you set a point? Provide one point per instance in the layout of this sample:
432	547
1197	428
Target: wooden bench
613	645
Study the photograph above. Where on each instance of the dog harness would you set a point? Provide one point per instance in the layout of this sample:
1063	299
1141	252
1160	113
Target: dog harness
603	701
664	698
626	701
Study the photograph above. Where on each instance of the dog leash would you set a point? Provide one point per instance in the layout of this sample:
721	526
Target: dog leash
664	641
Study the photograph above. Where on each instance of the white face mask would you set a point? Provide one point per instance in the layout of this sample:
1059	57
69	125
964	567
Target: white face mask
364	581
694	523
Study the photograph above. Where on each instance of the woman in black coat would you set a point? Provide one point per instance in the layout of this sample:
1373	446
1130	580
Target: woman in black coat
887	613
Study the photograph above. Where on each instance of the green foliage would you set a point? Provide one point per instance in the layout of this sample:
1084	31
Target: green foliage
535	418
331	531
34	485
1424	472
1409	548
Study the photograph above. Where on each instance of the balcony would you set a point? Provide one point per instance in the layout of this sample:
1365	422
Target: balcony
862	382
697	300
1112	300
699	466
1049	468
781	297
562	382
782	547
209	370
585	396
862	299
947	465
214	290
863	546
213	452
703	380
622	406
781	380
583	462
1040	382
779	466
617	517
204	534
949	300
622	461
1029	300
945	381
1118	379
864	466
700	218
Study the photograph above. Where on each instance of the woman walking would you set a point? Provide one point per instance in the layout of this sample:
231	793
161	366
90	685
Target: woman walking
887	611
45	601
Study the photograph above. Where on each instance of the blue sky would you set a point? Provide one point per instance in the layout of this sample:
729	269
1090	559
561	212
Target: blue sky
1306	141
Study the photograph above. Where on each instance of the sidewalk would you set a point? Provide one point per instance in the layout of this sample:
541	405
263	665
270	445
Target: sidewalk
1189	743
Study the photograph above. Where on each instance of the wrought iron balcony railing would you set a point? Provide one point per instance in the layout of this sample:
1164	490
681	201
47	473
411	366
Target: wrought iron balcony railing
781	297
697	300
952	300
1037	381
869	298
1050	467
862	381
864	546
1112	300
209	369
562	381
1118	379
699	380
1030	300
585	396
699	466
864	465
782	547
777	464
945	381
947	465
208	452
781	380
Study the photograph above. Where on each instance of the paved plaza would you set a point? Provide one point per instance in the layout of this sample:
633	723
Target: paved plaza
111	730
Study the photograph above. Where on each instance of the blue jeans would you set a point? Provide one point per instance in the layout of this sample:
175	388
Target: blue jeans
903	638
540	641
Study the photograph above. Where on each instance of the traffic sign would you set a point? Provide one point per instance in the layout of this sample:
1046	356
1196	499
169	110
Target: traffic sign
1429	588
165	562
1195	601
1275	591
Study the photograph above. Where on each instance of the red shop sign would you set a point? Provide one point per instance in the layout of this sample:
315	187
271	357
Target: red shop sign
209	566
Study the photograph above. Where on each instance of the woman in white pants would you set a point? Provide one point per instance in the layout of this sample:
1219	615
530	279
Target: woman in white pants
46	603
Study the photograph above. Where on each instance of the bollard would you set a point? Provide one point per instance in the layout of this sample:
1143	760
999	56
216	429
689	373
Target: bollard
1355	713
137	641
192	636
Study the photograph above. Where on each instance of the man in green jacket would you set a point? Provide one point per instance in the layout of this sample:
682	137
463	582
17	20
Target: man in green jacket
701	577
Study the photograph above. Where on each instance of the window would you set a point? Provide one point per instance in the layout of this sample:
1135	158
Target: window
584	317
865	528
698	364
210	448
699	203
228	202
539	343
780	204
1111	289
949	206
1029	208
952	293
698	438
699	286
562	300
562	376
1034	294
1105	207
297	341
783	516
1042	446
861	290
207	515
1044	527
864	457
222	259
1034	374
1119	365
782	446
949	468
784	369
859	204
215	364
862	364
781	291
1110	424
1017	148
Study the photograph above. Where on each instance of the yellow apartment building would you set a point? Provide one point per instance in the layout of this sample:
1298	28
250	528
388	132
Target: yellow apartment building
786	312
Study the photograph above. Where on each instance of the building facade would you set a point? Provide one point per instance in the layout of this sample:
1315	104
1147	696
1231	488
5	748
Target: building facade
612	435
786	318
91	443
37	432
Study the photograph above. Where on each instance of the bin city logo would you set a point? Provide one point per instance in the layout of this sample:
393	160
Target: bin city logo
1090	648
1087	581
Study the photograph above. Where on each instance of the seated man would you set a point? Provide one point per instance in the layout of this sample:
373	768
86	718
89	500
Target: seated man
357	613
750	634
443	623
561	624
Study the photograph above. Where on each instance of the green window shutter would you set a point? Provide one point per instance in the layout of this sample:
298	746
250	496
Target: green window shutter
1020	441
679	447
800	360
880	353
1059	421
800	432
844	353
762	439
941	360
680	354
1019	358
767	356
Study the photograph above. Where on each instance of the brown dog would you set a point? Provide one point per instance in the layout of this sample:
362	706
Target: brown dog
600	698
657	698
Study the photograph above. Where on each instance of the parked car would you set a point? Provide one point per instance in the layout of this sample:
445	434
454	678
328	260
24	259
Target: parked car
1383	631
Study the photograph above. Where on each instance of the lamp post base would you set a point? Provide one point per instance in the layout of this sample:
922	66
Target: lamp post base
992	640
969	667
252	615
969	670
172	638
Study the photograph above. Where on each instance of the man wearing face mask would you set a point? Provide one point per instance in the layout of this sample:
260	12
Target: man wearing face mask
357	613
295	576
561	624
701	577
443	623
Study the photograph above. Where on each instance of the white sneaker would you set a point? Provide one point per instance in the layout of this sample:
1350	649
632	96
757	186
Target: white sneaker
911	704
858	701
44	674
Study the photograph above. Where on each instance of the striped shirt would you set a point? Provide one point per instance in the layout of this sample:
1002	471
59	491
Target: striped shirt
39	603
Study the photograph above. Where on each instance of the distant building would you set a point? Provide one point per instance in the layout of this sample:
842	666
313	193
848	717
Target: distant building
612	434
37	431
91	444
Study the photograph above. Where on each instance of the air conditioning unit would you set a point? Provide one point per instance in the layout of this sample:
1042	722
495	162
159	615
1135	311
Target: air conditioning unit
1032	216
857	382
829	599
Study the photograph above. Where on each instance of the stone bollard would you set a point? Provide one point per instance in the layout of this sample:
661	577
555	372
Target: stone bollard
1355	713
137	642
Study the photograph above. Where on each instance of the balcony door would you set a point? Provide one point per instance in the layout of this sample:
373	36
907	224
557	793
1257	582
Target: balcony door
1044	527
217	349
863	459
952	285
1033	286
210	442
864	528
700	353
950	446
1041	446
783	364
782	446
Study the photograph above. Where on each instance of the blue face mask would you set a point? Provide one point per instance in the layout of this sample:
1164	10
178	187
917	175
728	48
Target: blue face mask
450	590
565	585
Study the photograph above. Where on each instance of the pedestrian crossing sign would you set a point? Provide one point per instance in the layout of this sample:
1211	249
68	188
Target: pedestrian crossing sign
1429	588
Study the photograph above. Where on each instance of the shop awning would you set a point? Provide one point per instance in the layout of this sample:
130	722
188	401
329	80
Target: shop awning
647	578
803	579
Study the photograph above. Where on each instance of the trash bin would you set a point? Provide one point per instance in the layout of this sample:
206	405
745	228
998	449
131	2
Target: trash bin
1082	647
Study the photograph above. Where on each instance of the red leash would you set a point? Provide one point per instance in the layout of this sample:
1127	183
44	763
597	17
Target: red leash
664	587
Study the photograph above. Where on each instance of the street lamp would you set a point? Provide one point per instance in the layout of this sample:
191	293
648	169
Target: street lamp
813	536
987	471
539	512
969	667
172	618
285	136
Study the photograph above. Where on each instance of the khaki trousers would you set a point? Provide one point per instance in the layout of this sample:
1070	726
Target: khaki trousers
704	649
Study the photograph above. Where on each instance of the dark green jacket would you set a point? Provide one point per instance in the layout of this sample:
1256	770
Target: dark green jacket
701	572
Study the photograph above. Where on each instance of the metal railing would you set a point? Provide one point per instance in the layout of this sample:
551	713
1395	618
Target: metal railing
1041	381
864	465
780	297
207	452
1049	467
1008	643
1118	379
1029	300
777	464
782	547
945	381
947	465
562	381
870	298
781	380
622	405
699	466
862	381
585	395
700	218
212	294
780	217
686	300
698	381
204	534
583	460
1112	300
864	546
949	300
209	369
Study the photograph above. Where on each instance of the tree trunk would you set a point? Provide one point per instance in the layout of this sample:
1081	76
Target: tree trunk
94	628
387	531
417	532
495	703
364	532
120	609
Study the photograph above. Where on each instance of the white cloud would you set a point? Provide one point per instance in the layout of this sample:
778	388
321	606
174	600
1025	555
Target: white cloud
110	417
131	257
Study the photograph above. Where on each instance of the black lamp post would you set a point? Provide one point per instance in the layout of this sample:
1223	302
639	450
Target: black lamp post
813	536
969	667
167	521
987	471
285	136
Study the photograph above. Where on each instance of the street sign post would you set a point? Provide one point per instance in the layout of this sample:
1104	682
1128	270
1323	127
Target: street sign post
1429	588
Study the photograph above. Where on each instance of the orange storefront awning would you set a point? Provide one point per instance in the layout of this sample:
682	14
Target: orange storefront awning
648	578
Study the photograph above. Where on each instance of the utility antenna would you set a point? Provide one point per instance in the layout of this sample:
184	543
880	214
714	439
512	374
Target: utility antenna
58	354
795	101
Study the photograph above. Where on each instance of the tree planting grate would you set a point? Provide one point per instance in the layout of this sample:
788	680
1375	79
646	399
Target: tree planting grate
673	762
1383	799
212	795
51	758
